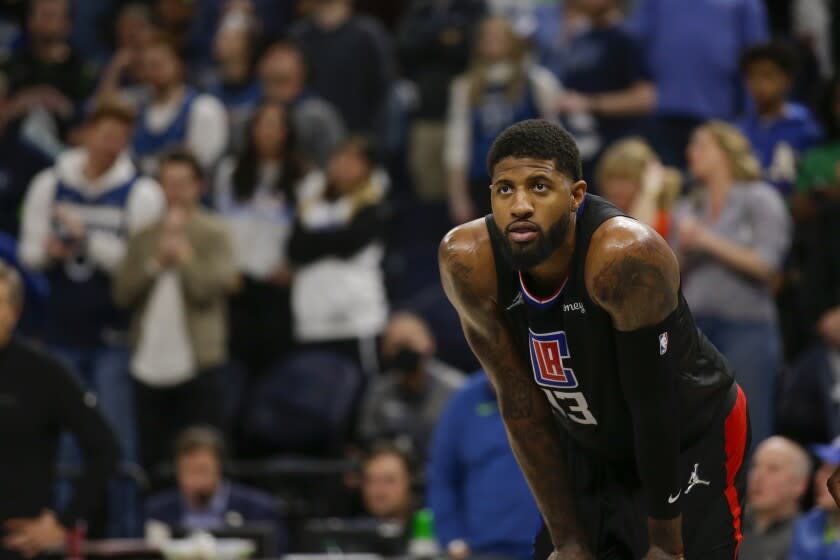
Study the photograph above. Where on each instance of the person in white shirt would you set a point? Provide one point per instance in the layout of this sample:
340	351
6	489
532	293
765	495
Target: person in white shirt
175	114
76	218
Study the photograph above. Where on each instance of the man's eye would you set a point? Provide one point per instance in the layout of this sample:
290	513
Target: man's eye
503	189
540	187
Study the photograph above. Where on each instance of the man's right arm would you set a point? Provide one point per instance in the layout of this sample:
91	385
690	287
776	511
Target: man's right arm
469	279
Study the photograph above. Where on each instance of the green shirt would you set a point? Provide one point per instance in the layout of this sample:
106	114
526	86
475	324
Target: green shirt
819	168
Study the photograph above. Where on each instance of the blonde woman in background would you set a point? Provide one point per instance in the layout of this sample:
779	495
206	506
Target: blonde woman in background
631	176
501	87
732	235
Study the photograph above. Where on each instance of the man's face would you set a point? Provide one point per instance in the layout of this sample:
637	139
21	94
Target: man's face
199	475
9	312
281	74
773	483
180	185
767	83
386	488
533	204
161	68
105	141
50	20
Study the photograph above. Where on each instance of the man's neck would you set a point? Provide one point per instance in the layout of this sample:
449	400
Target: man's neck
548	275
94	170
50	51
234	72
169	93
763	520
773	111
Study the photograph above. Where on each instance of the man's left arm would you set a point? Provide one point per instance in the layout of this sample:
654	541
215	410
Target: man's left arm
634	276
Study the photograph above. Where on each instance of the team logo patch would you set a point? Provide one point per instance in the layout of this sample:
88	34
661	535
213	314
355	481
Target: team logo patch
663	343
547	354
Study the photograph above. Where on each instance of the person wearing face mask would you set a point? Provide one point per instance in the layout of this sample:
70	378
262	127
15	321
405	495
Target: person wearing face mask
405	402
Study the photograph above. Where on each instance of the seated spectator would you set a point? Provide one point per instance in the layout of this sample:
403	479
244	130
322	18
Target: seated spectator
174	280
406	400
338	241
386	485
777	480
255	192
608	87
174	114
190	25
499	88
283	80
48	80
205	500
40	399
480	500
816	534
630	176
732	235
778	129
77	216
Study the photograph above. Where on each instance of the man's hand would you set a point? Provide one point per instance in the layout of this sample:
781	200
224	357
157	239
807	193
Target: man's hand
834	485
34	536
571	551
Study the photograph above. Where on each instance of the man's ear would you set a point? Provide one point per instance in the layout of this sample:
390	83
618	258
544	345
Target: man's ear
578	192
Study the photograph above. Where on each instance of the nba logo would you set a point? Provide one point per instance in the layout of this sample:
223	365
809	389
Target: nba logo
547	354
663	343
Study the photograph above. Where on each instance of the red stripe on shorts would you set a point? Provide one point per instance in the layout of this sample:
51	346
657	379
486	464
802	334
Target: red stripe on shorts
736	443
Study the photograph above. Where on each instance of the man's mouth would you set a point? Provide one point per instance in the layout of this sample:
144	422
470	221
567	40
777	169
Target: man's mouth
522	232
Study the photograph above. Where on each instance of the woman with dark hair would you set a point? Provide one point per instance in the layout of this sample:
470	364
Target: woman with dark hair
255	192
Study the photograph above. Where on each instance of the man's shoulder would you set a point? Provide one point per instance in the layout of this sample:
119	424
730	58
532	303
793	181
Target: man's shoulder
256	501
164	506
37	356
466	246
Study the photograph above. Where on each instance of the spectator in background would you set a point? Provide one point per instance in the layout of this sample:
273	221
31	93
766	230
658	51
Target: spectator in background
609	88
778	478
334	41
190	25
234	82
816	534
779	130
77	216
38	400
405	402
433	45
48	80
500	88
480	500
696	74
283	80
386	485
205	500
732	235
256	192
175	279
338	240
630	176
175	114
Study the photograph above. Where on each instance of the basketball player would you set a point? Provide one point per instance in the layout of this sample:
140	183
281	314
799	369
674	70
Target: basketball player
626	421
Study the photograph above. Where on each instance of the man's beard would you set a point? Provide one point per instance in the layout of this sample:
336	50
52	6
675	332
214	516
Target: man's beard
523	257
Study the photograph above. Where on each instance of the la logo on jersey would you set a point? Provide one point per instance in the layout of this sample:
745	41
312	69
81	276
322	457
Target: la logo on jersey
547	354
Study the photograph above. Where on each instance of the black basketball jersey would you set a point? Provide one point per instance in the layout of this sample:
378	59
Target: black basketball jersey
569	342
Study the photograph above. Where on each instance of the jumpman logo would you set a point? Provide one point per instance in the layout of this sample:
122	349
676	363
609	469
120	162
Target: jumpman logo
695	480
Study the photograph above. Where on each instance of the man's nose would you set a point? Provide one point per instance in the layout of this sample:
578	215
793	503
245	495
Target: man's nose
522	205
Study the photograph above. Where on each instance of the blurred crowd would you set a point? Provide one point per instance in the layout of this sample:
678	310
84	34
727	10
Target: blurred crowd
220	223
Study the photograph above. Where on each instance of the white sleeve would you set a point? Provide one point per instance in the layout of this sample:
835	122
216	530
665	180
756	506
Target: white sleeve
207	133
145	205
546	91
36	219
456	144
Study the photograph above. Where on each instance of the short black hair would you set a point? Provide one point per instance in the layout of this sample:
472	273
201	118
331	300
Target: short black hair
182	155
200	438
776	52
538	139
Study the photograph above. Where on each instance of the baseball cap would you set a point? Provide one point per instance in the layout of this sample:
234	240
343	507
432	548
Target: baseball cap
829	452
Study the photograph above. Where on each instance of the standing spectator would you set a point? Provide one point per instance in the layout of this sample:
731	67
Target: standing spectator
499	88
405	402
732	235
696	73
816	535
609	86
47	79
175	114
204	499
338	241
480	499
38	400
175	279
335	41
386	485
283	80
255	193
630	176
777	480
434	42
77	216
779	130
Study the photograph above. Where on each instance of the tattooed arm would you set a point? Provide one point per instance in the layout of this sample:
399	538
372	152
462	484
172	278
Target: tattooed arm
632	273
468	273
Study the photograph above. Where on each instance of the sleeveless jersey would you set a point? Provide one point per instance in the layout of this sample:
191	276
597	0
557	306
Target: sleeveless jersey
569	342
